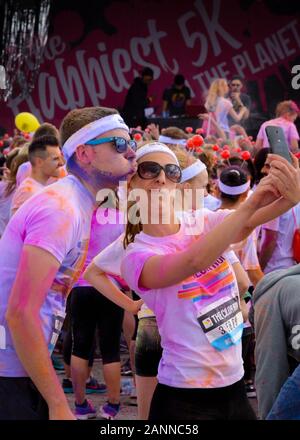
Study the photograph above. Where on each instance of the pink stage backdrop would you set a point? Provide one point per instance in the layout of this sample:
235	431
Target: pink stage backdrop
87	66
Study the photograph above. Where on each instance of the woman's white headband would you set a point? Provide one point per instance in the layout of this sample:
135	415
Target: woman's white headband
172	141
155	147
193	170
92	130
233	190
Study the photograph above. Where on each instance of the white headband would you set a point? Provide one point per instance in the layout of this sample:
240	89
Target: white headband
155	147
192	171
233	190
172	141
91	131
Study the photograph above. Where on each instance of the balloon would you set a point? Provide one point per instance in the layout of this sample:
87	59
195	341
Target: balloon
137	137
246	155
225	154
238	149
198	140
1	144
189	129
26	122
199	131
190	144
216	147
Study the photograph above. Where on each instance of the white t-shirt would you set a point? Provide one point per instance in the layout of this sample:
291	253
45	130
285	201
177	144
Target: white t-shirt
282	257
103	235
5	203
24	171
109	260
58	220
211	202
199	319
222	109
27	188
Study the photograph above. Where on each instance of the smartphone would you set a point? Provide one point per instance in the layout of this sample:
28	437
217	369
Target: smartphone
277	142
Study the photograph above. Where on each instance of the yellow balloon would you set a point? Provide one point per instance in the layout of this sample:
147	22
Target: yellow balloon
26	122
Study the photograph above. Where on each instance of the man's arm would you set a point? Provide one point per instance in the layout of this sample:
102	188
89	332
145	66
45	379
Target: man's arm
37	269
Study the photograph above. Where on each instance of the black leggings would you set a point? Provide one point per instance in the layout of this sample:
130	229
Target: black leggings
228	403
20	400
90	311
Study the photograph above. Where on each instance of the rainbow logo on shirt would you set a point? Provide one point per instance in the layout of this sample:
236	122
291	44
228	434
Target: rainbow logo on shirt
218	278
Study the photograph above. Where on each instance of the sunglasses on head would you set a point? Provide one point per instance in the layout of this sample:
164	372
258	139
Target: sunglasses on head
151	170
120	143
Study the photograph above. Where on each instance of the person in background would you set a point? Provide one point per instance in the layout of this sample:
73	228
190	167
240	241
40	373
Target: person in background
46	160
219	108
286	114
136	100
276	237
276	321
238	99
176	98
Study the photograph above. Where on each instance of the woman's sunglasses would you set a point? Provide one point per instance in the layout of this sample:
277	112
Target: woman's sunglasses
151	170
120	143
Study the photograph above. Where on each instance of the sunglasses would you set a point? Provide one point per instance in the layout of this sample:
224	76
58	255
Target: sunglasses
120	143
151	170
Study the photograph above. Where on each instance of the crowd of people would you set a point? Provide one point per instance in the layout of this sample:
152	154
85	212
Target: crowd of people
207	300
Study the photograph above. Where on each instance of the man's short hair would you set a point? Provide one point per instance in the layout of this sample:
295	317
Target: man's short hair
237	77
38	147
179	80
78	118
147	71
46	129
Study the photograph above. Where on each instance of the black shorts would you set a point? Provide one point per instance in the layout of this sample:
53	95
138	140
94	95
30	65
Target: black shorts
227	403
90	311
20	400
148	350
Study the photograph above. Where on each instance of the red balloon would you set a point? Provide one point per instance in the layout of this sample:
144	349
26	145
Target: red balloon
190	144
225	154
1	143
199	131
238	149
216	147
226	147
189	129
246	155
198	140
137	137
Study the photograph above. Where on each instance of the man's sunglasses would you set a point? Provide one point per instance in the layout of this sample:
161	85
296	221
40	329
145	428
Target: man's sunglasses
120	143
151	170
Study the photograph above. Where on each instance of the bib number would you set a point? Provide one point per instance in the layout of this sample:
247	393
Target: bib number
58	320
222	323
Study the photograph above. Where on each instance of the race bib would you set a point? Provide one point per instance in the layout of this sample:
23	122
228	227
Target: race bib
58	320
221	322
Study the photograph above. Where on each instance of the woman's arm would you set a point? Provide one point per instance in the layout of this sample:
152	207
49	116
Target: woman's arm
100	281
159	271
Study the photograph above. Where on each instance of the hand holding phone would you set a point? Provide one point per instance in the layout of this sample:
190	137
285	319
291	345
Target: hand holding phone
277	142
